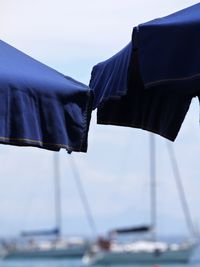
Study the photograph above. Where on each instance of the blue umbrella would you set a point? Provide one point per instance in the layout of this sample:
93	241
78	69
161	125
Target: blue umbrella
39	106
150	83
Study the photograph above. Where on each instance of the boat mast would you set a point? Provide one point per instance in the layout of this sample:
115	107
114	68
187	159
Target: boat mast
180	189
153	211
83	197
57	194
153	191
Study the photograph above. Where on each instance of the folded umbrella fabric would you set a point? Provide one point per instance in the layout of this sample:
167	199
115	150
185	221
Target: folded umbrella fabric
39	106
157	111
169	48
156	80
109	78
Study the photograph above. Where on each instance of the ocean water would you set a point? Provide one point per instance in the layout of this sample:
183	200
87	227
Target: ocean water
77	263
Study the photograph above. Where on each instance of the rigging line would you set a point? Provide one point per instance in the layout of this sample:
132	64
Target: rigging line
57	192
180	188
83	197
153	197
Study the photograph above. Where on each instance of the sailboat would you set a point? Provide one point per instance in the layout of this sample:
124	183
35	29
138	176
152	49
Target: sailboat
35	244
145	250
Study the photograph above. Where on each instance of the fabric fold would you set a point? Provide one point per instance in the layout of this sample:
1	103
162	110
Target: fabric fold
150	83
39	106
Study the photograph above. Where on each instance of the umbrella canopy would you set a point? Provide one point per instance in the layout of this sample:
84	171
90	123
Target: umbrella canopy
39	106
150	83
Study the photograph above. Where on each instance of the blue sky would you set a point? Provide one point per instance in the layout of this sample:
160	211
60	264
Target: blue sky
72	36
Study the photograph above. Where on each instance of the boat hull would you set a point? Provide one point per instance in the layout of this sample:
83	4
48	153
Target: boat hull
49	253
111	257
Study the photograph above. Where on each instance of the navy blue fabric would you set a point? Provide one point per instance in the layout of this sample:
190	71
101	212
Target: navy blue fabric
164	56
158	111
109	78
169	48
39	106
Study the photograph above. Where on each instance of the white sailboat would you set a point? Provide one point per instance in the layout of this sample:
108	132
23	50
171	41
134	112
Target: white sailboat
35	244
140	252
151	250
45	249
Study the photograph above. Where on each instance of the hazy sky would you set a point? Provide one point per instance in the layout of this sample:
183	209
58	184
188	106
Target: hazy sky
72	36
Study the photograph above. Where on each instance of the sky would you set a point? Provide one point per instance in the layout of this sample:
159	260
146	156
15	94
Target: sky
72	36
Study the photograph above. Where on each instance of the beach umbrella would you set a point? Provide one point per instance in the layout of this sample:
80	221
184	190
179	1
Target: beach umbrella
150	83
39	106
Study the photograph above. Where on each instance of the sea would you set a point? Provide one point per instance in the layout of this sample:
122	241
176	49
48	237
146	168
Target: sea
77	263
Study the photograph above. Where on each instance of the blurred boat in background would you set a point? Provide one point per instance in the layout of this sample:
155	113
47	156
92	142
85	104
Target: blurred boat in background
142	251
61	248
110	250
50	243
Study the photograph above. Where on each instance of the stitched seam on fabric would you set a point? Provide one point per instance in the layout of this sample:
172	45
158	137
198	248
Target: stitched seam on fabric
173	80
26	140
85	119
